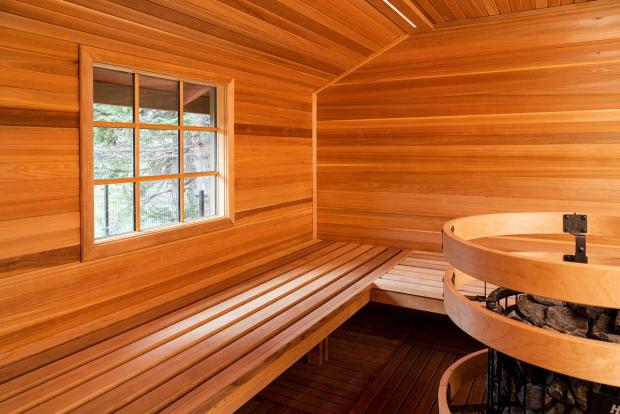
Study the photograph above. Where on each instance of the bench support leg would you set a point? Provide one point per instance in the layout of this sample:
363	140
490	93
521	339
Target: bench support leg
318	355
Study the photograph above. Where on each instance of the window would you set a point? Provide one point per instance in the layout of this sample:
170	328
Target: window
157	150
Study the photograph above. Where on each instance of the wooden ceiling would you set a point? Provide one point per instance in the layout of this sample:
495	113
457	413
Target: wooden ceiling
437	13
306	41
321	38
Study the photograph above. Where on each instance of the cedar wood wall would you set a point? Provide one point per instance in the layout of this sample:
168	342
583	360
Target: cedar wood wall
41	277
519	115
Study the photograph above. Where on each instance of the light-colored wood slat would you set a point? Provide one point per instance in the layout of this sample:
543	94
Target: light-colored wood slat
422	262
409	284
419	272
413	280
424	254
407	301
409	289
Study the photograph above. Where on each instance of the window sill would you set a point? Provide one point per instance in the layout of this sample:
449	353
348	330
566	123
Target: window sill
134	241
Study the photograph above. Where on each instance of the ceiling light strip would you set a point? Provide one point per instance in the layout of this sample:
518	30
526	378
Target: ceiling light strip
391	6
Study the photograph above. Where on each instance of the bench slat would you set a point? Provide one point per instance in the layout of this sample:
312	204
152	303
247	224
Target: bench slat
227	391
46	373
88	381
282	312
145	307
307	285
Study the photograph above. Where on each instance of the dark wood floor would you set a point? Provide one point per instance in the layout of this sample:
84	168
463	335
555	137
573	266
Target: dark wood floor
382	360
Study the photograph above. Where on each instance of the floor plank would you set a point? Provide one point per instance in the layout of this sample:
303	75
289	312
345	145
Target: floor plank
383	360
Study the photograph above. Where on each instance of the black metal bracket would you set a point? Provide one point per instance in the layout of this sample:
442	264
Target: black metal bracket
577	225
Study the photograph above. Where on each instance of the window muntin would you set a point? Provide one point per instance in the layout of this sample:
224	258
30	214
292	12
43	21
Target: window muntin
155	164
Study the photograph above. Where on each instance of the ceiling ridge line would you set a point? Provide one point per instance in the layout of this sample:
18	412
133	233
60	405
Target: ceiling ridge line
363	62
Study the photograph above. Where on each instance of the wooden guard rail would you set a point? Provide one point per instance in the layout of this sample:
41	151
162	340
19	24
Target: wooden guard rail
545	275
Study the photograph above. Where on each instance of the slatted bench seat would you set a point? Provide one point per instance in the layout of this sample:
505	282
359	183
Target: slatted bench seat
216	353
416	282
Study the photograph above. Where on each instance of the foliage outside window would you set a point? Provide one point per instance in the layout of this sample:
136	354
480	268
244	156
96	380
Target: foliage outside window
155	143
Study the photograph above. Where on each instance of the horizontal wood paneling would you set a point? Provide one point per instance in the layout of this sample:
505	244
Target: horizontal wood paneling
517	115
47	296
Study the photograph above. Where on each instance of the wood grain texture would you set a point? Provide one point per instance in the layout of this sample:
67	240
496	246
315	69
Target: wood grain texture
416	282
459	376
48	298
229	344
587	359
512	115
374	364
445	13
538	272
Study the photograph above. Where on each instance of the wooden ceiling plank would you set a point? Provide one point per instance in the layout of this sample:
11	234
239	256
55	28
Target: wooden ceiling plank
529	5
25	17
467	9
455	9
392	16
264	23
412	14
374	15
516	6
479	8
441	8
295	13
420	18
346	18
554	3
264	45
177	35
431	11
503	6
491	6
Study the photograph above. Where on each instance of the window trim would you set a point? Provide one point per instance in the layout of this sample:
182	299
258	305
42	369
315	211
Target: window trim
91	57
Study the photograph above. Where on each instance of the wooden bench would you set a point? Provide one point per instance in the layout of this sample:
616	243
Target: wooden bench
215	353
416	282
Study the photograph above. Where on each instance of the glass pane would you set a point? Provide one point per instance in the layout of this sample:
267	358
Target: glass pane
199	151
159	101
199	197
112	95
159	203
199	105
113	153
113	209
159	152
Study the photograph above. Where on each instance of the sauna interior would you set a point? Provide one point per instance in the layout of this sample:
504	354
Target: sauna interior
310	206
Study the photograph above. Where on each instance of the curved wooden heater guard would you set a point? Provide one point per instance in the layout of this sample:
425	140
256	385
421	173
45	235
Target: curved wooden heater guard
588	284
458	374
